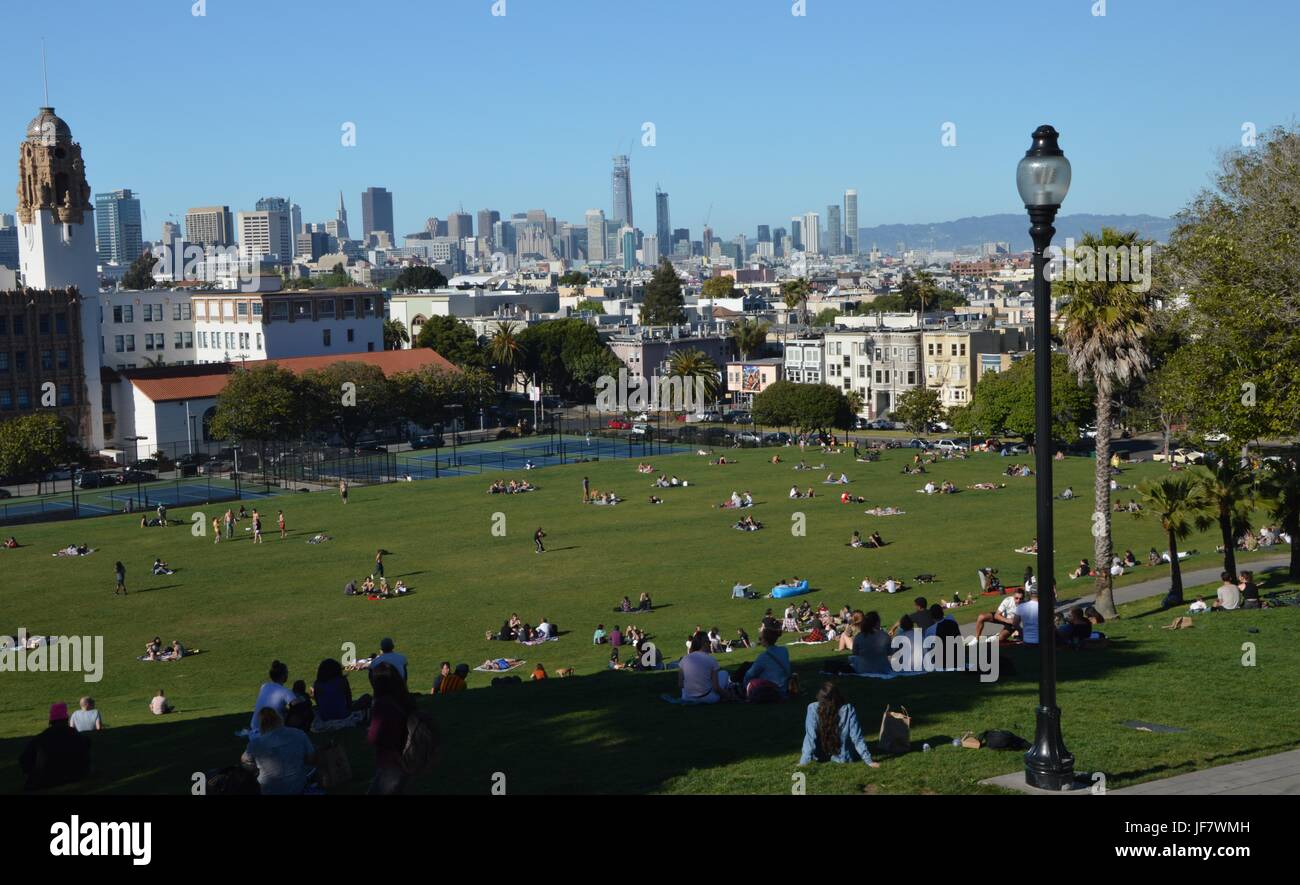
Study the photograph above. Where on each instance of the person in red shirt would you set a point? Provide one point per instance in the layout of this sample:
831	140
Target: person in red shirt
280	519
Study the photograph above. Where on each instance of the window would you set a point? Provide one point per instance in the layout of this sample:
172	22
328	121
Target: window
302	310
203	339
6	400
930	349
20	360
61	323
4	325
177	341
117	313
963	349
63	359
243	341
130	344
911	354
862	371
24	399
43	323
279	310
954	350
368	309
259	340
119	343
878	376
878	356
128	313
931	370
846	361
65	394
47	360
325	337
180	311
189	340
4	361
847	383
349	308
230	341
370	346
911	377
228	310
350	335
886	376
257	308
20	326
242	309
326	307
148	341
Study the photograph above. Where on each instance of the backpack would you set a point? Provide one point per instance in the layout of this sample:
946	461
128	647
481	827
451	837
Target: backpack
421	747
996	739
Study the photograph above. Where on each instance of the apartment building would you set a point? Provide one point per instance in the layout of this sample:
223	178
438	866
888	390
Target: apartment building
150	328
953	359
230	326
805	360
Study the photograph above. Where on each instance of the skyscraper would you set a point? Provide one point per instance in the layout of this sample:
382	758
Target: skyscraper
171	232
650	251
460	225
851	222
8	242
595	235
487	219
283	246
262	235
627	241
210	226
377	212
764	234
812	233
796	232
119	235
834	236
663	227
778	237
622	181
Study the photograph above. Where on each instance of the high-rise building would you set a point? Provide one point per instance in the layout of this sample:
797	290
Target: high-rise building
503	237
627	243
171	232
663	226
851	222
812	233
487	219
8	242
708	241
340	230
460	225
56	251
284	246
834	236
210	226
119	235
377	212
764	234
622	187
650	251
262	235
796	232
595	235
778	238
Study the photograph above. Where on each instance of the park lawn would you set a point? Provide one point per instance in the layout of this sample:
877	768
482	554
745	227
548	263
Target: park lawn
244	605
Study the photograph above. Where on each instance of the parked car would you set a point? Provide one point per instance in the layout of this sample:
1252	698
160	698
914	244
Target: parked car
779	438
940	427
915	443
4	493
1015	449
146	464
705	417
1088	432
132	475
1216	437
641	429
1181	456
60	475
619	424
94	479
427	441
216	467
740	418
643	416
749	437
951	445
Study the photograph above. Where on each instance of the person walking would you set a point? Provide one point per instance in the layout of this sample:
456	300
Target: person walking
343	490
280	520
257	527
586	490
216	529
379	563
120	575
230	524
537	540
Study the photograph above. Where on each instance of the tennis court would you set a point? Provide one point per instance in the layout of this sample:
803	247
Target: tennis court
517	454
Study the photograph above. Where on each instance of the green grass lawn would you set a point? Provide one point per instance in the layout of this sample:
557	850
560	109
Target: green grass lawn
603	731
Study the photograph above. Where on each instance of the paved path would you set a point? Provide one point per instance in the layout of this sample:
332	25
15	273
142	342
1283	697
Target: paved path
1157	586
1276	775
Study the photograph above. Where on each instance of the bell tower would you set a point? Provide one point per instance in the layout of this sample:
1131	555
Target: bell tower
56	238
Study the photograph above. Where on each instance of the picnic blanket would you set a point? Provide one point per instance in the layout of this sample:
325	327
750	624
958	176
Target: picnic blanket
168	657
493	670
540	641
64	552
362	664
806	642
881	511
319	539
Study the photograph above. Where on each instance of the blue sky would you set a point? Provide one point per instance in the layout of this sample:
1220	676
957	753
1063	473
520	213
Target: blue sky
758	112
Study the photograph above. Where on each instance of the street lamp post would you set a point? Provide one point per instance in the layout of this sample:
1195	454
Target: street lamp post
1043	179
136	467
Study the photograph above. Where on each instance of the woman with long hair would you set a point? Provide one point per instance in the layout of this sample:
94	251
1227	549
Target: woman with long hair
831	731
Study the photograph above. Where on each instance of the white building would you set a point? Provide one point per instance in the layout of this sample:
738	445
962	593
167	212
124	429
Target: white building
263	235
153	327
241	326
805	360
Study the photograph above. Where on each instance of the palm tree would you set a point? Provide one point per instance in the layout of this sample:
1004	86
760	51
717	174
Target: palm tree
505	351
795	293
1105	340
856	401
1231	488
749	335
1280	485
1182	505
695	367
395	335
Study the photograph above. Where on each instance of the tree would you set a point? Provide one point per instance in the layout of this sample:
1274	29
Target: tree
1280	487
505	352
749	336
794	293
395	335
718	287
263	403
1105	331
567	356
419	276
1233	255
856	401
140	274
695	367
347	398
335	279
918	408
32	445
589	305
1230	487
574	278
1004	401
805	407
451	338
825	317
664	304
1181	504
1168	396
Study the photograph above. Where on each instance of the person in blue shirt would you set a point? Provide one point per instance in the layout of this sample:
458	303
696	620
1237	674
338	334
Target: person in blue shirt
831	732
771	669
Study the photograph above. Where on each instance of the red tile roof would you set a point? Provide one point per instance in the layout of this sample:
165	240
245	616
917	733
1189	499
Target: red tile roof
171	383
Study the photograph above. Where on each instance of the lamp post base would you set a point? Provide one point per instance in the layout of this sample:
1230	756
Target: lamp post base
1048	764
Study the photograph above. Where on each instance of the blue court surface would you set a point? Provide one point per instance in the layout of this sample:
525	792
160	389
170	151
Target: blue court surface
103	502
517	454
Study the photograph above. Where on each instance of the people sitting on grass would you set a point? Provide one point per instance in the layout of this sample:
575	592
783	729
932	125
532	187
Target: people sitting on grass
776	459
742	639
748	524
1067	494
1025	620
599	636
333	693
794	492
767	677
832	732
644	603
789	623
852	626
1018	470
86	718
616	636
947	488
153	649
856	540
1154	557
1249	592
871	646
1031	547
943	626
1076	628
722	461
161	568
159	705
645	468
1004	615
654	499
58	755
11	543
1083	570
1228	596
831	479
700	678
539	673
625	605
449	681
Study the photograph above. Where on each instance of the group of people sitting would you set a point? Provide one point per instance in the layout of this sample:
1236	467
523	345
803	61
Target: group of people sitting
872	540
515	630
1131	507
846	498
1266	537
645	468
1018	470
644	604
603	498
373	589
1232	594
501	487
747	524
831	480
889	585
154	650
913	469
619	636
664	482
944	488
701	679
737	501
10	543
75	550
795	493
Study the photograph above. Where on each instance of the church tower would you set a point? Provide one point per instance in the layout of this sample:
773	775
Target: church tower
56	239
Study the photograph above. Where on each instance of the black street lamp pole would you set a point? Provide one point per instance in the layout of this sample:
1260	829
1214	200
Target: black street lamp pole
1043	179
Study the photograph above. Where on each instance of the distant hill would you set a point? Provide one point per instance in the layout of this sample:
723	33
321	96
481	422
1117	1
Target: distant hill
966	234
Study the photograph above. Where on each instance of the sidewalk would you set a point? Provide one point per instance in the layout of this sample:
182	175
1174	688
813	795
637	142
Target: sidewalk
1276	775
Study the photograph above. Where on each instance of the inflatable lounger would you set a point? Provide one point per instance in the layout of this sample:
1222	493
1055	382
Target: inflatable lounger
781	592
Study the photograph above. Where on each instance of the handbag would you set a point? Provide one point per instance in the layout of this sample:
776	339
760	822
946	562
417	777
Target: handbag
333	766
970	741
895	731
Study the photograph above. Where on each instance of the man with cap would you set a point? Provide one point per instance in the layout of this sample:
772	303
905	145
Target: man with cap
58	755
388	656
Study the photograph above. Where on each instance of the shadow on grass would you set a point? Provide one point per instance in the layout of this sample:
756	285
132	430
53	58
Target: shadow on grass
604	733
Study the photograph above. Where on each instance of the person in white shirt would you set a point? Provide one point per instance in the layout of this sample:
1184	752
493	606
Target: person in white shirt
1116	567
1026	619
544	629
929	488
699	676
1229	594
87	718
867	586
1067	494
794	491
891	586
748	499
1003	616
390	657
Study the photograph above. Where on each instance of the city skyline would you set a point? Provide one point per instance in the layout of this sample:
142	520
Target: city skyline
886	120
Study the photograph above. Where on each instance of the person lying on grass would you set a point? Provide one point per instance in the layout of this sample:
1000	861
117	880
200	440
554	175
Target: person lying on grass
11	543
499	663
832	732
